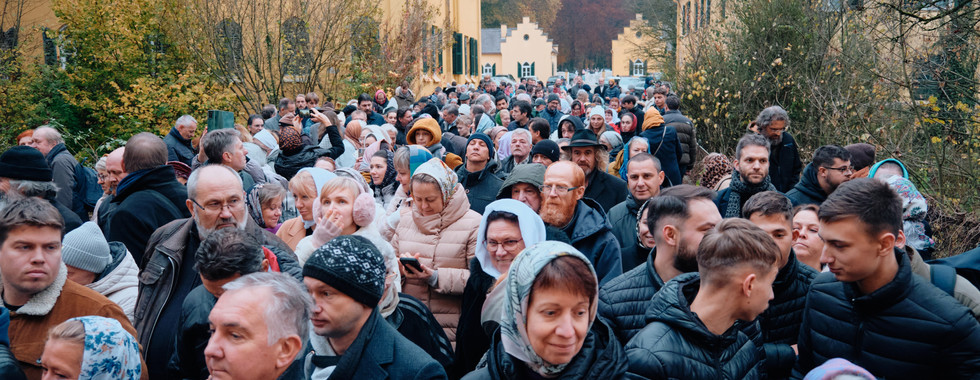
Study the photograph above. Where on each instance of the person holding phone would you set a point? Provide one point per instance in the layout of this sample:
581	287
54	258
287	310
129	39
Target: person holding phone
440	231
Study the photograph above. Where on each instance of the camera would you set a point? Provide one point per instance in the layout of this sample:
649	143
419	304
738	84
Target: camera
303	113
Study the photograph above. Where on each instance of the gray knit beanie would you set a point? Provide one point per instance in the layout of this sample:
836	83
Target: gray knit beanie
352	265
85	248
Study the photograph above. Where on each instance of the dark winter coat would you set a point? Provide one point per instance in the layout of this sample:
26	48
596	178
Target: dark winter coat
383	354
165	255
685	135
780	323
677	345
145	200
482	186
623	301
784	163
606	189
552	117
471	340
454	143
808	190
72	221
669	152
9	369
192	336
601	357
907	329
590	233
62	165
180	149
623	219
416	323
614	91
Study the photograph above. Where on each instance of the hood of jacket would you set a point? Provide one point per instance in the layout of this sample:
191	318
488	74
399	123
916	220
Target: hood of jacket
652	119
428	125
42	302
121	273
457	206
576	121
809	185
532	173
672	306
588	220
601	357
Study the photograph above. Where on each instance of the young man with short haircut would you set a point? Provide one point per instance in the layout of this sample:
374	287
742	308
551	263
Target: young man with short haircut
696	328
751	175
780	323
870	309
831	166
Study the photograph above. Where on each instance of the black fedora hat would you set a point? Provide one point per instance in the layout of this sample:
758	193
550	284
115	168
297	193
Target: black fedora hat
584	138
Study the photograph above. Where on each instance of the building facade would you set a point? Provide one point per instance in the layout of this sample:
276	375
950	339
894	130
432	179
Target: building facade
638	50
522	51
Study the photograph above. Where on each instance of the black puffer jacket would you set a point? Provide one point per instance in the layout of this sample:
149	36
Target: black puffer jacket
601	357
606	189
623	302
471	341
685	135
677	345
288	163
482	186
808	190
623	219
907	329
781	322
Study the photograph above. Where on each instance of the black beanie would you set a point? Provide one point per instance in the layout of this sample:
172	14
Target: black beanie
24	163
547	148
352	265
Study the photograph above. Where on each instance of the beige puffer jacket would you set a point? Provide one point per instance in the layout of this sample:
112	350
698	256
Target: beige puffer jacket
445	242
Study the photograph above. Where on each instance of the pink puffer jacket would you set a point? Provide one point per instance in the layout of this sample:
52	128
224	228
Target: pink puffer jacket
446	242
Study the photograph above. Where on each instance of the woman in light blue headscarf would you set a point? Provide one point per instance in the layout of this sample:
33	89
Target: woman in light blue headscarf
635	146
508	226
548	324
92	348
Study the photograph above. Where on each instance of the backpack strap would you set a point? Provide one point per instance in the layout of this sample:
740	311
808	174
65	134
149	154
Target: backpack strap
943	277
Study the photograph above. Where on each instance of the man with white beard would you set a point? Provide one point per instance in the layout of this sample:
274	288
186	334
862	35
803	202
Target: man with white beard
216	200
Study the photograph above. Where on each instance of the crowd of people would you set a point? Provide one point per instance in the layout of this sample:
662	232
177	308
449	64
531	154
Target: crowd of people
545	231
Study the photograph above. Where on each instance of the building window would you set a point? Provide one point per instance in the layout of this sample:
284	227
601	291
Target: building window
487	69
526	70
639	68
686	18
228	44
526	37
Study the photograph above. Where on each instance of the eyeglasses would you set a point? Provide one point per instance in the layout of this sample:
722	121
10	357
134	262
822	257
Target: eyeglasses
509	245
215	206
842	169
561	190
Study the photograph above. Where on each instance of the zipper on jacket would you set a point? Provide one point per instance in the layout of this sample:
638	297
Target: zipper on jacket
859	340
156	319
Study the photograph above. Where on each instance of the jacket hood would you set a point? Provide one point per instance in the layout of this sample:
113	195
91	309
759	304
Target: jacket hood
576	121
651	120
532	173
429	125
672	306
530	224
121	273
808	183
589	219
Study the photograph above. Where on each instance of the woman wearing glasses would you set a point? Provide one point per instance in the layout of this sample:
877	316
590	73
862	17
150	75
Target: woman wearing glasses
439	232
508	226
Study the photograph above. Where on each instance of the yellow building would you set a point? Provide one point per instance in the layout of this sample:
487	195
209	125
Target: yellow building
522	51
443	63
637	51
36	33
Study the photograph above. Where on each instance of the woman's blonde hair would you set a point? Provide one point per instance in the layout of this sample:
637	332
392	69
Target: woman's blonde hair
340	183
72	331
303	182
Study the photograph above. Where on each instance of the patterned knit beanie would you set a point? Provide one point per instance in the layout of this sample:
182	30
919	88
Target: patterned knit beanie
352	265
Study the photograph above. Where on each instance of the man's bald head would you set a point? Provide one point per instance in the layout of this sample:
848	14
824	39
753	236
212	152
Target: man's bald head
566	168
146	151
212	176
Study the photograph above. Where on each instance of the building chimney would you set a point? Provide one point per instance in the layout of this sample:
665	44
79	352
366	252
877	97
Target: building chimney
526	20
503	31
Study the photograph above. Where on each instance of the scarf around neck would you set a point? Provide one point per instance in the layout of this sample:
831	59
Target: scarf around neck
739	188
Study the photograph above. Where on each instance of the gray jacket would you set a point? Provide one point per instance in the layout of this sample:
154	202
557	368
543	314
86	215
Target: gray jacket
62	165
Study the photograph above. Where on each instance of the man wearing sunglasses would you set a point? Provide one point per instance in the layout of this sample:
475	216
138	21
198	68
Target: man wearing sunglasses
215	200
831	166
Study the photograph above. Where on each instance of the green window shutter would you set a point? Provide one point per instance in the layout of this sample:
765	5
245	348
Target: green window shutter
644	67
532	68
519	73
457	53
474	57
425	52
493	70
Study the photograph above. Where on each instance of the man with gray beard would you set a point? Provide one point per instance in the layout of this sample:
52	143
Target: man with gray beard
215	200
